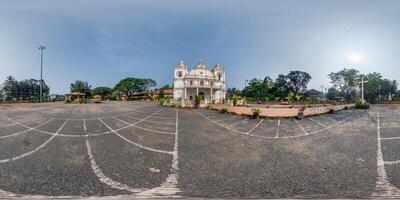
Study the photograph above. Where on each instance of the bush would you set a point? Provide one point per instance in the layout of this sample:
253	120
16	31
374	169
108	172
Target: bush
67	100
256	112
234	100
81	100
197	99
360	105
223	110
161	101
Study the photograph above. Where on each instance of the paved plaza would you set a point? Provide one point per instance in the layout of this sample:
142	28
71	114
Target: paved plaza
141	149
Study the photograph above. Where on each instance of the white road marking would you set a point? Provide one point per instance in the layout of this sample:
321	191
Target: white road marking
220	120
27	130
391	162
390	138
298	124
238	122
390	127
36	149
277	129
102	177
84	125
149	120
251	130
266	137
315	121
66	135
159	117
170	186
382	182
328	118
227	127
146	129
134	143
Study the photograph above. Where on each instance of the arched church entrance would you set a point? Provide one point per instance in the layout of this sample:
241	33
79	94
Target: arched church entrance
201	94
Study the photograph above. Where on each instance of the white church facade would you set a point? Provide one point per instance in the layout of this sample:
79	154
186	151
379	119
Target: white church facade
201	81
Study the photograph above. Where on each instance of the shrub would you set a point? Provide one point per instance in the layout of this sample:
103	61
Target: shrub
168	100
360	105
234	100
67	100
223	110
197	99
161	101
34	99
256	112
80	100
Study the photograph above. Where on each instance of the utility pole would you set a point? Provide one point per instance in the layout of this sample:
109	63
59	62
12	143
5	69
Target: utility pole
245	83
362	88
41	48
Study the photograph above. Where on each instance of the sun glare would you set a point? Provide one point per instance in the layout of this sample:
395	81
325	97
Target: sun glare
355	57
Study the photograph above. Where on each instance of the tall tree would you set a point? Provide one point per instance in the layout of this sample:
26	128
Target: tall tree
282	88
102	91
81	86
23	90
297	81
253	89
129	86
268	89
377	88
346	81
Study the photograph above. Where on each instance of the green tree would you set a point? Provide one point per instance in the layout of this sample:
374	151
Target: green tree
346	81
129	86
377	88
281	84
268	89
81	86
102	91
233	91
333	93
253	89
28	89
297	81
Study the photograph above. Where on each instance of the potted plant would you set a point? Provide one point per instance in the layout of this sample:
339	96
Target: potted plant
223	110
256	113
197	100
234	100
300	115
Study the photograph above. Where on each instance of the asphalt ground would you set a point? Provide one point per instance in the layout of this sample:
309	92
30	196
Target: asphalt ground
141	149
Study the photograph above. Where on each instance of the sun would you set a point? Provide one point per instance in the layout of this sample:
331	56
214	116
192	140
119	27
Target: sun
355	57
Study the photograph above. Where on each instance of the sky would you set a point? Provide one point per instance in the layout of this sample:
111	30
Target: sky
103	41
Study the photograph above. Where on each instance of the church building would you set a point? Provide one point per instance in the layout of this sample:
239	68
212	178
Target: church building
208	84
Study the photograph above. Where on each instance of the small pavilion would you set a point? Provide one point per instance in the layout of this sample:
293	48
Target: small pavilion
74	96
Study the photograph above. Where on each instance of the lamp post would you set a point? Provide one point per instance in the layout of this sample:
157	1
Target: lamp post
41	48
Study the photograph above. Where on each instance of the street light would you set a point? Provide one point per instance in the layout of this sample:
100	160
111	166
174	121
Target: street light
41	48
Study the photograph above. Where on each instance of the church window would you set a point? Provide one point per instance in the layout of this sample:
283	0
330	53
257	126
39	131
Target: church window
211	83
191	82
179	74
201	82
219	76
